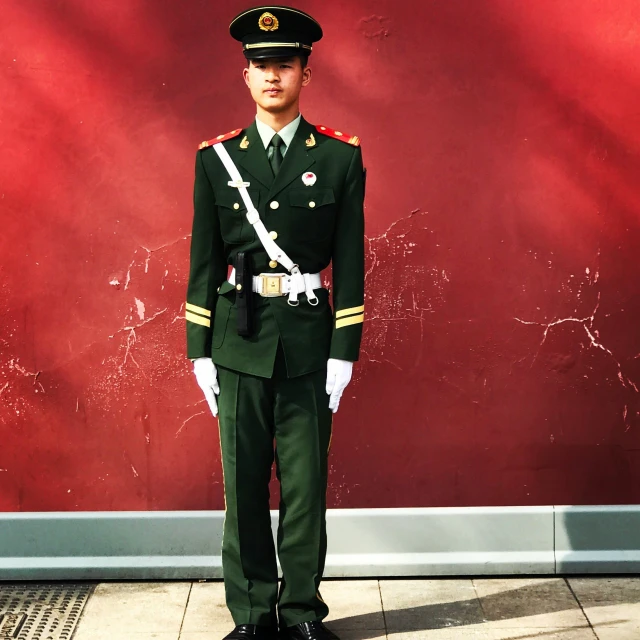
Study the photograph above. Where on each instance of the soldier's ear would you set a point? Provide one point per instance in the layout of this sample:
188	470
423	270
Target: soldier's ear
245	74
306	76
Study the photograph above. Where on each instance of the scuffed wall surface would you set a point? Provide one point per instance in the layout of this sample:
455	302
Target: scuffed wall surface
501	359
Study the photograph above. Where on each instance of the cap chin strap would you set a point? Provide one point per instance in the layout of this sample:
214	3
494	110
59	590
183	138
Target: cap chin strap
278	45
273	250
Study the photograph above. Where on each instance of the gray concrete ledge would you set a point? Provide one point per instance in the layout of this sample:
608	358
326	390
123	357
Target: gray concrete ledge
593	539
362	543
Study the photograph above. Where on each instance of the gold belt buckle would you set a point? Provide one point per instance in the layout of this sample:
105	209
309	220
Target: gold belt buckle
272	286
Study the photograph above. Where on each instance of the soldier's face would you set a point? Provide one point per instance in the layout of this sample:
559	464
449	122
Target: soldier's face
275	84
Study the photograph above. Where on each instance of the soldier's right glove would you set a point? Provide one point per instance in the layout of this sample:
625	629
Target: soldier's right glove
338	377
207	378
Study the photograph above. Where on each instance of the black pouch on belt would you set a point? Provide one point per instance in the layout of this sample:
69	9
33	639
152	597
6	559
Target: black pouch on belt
244	293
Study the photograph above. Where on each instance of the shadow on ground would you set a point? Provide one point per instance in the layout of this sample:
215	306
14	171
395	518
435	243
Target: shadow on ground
540	599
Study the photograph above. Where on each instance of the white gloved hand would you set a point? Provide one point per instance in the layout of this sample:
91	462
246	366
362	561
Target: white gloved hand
207	378
338	377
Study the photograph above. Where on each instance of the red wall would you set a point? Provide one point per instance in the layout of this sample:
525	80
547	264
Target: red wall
501	358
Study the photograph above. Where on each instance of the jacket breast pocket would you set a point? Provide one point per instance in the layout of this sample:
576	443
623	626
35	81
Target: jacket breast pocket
234	226
313	212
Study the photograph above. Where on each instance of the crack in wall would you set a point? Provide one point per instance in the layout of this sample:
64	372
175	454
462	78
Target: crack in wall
625	413
131	340
137	326
587	324
128	328
179	317
383	361
394	275
195	415
147	259
384	236
13	364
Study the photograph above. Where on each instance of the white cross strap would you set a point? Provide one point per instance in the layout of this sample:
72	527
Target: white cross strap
273	250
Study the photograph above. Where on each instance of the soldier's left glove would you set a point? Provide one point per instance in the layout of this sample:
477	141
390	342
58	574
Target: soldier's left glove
207	378
338	377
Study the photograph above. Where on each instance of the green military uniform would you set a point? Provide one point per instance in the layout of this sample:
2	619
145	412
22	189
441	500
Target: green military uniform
315	225
272	384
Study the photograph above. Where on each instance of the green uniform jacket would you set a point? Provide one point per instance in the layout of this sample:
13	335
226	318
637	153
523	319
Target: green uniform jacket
315	225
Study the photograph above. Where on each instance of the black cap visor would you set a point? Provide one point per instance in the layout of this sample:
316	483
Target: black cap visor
271	51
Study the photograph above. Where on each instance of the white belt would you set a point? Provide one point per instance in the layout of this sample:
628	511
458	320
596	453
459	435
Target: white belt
274	285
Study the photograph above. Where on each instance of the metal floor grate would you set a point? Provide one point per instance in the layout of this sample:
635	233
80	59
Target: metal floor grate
41	611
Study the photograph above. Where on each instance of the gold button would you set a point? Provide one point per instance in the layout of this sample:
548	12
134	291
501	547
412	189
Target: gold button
312	204
275	204
273	264
236	206
239	287
339	133
218	289
273	235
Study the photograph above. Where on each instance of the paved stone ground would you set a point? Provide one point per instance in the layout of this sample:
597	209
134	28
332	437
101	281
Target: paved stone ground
429	609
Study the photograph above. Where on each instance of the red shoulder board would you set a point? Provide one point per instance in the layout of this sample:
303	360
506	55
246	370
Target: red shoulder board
339	135
222	138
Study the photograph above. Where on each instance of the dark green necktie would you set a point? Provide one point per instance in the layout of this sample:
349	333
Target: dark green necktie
275	153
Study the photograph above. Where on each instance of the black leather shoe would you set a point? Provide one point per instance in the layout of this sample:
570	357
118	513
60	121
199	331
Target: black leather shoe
308	631
252	632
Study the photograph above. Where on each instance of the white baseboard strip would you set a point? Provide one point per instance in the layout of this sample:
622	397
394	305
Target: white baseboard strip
362	543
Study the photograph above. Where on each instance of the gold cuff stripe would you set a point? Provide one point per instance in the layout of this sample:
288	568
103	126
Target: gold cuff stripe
201	310
349	321
192	317
349	312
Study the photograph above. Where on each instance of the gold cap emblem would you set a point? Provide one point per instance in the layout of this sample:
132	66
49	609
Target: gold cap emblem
268	22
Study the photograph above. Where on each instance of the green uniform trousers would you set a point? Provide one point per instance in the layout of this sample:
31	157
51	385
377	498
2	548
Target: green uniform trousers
295	413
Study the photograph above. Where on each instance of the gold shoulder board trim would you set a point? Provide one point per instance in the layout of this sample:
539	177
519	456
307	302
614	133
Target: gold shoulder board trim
339	135
221	138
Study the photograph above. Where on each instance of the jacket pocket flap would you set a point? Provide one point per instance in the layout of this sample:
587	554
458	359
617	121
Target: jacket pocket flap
225	287
231	197
311	198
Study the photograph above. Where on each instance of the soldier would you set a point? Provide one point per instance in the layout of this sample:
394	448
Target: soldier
275	204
